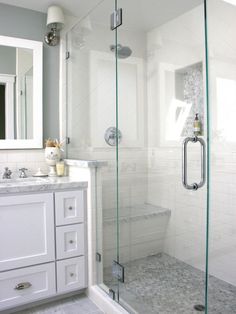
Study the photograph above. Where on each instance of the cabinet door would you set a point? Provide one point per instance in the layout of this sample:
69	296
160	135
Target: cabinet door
26	285
70	241
71	274
70	207
26	230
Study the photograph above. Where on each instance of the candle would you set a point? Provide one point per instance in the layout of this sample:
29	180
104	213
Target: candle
60	166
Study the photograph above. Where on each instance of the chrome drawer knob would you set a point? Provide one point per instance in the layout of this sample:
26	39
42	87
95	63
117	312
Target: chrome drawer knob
70	208
71	241
23	285
72	274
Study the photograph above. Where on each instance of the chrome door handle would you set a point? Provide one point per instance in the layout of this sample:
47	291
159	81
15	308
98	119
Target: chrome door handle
193	186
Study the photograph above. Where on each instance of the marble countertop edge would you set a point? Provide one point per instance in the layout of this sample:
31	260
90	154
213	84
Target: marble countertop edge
86	163
40	185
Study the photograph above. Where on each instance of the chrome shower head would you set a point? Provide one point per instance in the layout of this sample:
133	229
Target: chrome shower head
123	52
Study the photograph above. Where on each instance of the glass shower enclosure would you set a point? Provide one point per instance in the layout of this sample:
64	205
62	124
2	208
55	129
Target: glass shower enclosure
144	80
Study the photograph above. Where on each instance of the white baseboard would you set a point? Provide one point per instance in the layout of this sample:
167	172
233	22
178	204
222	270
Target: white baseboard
104	302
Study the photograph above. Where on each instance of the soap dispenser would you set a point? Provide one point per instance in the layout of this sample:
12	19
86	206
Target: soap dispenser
196	125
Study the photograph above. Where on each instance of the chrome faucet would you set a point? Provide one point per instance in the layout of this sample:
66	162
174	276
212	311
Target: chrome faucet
23	173
7	173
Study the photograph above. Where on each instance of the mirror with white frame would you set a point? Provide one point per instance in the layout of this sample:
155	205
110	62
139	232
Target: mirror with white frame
20	93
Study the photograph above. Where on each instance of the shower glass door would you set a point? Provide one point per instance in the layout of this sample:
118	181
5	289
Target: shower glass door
132	98
161	101
91	127
221	22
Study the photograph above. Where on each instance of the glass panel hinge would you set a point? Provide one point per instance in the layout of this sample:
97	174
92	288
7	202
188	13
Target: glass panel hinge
112	294
118	271
116	19
98	257
67	55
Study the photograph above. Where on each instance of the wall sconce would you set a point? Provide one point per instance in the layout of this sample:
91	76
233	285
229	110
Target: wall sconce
55	21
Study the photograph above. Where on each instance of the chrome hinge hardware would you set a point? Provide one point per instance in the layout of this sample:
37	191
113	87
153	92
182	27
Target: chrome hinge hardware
116	19
118	271
98	257
67	55
112	294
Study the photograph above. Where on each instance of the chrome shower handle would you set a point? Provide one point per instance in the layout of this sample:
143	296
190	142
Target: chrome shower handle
203	162
193	186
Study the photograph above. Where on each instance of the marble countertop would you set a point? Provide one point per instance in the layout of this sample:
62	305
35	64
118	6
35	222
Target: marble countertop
38	184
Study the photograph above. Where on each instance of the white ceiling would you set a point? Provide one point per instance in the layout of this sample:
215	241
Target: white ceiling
138	14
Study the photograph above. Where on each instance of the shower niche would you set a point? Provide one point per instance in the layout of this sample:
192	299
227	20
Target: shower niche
182	99
189	89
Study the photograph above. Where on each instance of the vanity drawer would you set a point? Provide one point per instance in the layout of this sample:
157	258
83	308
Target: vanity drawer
70	207
26	284
71	274
70	241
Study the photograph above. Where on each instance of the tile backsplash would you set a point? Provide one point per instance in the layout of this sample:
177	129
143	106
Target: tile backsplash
30	159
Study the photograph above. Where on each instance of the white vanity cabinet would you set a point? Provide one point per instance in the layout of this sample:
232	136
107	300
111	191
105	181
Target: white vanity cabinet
26	285
70	239
26	230
70	207
42	246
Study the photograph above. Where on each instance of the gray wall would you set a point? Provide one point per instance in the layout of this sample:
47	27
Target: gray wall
7	60
28	24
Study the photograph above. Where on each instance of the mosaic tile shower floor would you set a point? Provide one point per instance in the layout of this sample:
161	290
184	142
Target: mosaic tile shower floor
161	284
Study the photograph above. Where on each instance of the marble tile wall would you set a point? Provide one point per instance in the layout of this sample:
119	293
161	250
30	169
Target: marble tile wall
186	233
153	175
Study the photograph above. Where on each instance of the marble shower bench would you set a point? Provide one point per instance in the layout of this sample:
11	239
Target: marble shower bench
139	225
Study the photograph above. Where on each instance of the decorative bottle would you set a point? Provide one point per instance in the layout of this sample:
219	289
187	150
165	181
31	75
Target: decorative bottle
196	125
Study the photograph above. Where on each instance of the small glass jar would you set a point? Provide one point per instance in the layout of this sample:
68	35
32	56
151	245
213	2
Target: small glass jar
60	166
